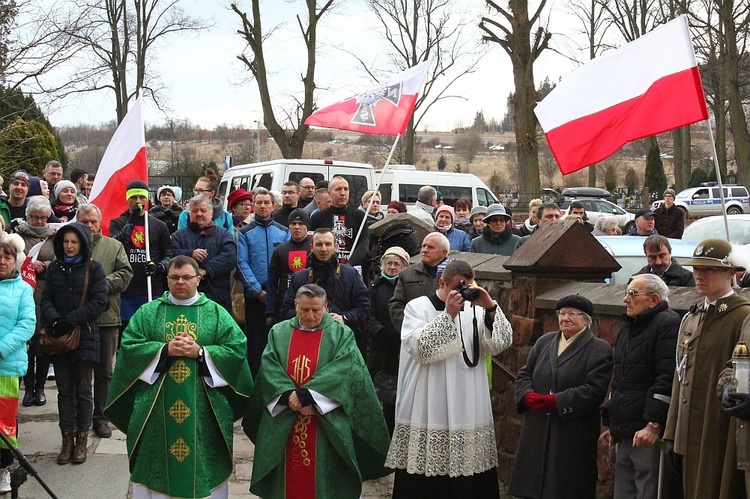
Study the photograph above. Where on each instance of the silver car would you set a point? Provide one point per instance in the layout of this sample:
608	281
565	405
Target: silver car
596	207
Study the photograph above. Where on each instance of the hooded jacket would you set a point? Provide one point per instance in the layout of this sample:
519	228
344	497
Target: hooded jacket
62	296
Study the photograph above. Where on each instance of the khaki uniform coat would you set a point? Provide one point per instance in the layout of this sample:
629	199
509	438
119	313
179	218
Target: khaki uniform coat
702	434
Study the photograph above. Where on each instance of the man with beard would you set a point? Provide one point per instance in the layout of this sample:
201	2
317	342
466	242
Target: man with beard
345	221
287	259
289	202
660	262
348	298
130	230
497	237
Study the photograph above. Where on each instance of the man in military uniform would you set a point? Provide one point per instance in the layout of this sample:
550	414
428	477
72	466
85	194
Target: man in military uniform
700	438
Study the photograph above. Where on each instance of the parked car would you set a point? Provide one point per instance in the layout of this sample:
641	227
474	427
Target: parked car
628	251
705	200
739	229
596	208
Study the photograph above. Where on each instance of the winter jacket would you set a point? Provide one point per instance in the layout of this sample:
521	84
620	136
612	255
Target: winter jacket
345	223
282	215
385	341
423	212
62	296
46	256
114	261
287	259
170	216
221	217
669	222
346	292
490	243
458	239
675	275
17	324
221	260
130	233
413	282
255	245
644	368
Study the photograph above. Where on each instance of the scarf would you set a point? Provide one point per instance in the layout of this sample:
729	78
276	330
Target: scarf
497	239
73	260
65	212
388	278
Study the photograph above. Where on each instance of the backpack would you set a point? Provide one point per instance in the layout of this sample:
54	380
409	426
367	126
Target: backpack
398	234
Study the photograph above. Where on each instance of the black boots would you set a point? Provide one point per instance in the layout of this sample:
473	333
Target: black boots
39	398
28	396
68	445
79	453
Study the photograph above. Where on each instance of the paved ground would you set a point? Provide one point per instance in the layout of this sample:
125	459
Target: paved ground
105	473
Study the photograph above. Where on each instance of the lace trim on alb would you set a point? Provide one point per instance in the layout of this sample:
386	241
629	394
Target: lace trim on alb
502	334
438	340
441	451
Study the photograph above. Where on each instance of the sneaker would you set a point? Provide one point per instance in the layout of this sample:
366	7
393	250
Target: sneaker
4	480
51	372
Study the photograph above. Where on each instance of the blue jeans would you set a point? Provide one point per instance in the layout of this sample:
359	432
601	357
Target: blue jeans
75	398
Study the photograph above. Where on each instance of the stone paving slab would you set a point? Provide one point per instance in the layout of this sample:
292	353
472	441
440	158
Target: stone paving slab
105	473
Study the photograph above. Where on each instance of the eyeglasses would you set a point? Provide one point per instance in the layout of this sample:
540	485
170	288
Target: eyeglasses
38	218
633	293
201	191
246	203
569	314
184	278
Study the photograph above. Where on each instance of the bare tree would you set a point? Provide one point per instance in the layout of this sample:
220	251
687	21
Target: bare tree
291	142
593	23
524	39
414	31
118	39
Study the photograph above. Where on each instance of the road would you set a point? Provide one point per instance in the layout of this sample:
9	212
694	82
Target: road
105	473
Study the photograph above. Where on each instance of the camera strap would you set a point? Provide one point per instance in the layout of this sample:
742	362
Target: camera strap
475	354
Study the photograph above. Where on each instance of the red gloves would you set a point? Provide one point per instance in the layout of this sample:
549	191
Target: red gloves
540	403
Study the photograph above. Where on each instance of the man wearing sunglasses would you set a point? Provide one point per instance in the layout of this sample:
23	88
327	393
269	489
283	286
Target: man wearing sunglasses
180	381
642	386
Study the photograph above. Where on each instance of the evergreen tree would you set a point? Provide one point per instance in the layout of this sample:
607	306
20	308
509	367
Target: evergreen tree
656	179
26	145
442	163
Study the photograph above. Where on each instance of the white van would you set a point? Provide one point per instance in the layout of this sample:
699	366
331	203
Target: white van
402	183
273	174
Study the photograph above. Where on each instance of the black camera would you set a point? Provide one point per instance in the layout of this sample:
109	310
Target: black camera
467	293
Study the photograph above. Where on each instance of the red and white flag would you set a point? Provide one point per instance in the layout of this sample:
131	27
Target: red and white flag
649	86
382	110
123	161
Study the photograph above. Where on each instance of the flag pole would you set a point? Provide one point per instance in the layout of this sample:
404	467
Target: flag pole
372	198
718	178
148	250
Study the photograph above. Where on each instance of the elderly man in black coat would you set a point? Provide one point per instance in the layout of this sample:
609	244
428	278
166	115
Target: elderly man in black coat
642	386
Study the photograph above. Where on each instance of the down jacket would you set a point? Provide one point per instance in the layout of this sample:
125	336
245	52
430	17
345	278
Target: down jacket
62	295
644	368
255	245
17	323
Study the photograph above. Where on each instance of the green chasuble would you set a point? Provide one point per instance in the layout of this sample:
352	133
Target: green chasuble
352	440
179	429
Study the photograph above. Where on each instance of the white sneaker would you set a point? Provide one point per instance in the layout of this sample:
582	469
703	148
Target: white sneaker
51	372
4	480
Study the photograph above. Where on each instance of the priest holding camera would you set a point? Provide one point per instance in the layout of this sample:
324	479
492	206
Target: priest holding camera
444	439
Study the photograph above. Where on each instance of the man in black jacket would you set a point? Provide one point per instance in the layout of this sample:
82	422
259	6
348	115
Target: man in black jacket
130	230
345	221
641	386
659	256
348	297
287	258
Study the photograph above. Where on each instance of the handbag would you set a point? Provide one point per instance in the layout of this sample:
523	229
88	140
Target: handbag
54	345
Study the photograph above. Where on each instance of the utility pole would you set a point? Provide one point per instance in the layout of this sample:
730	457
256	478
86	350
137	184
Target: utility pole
257	150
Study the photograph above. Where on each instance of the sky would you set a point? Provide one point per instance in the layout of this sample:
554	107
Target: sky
207	85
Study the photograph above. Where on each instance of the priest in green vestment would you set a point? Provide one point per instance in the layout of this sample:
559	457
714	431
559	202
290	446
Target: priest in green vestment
313	415
180	382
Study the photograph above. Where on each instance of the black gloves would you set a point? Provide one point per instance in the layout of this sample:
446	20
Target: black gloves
673	460
135	212
61	327
736	404
152	268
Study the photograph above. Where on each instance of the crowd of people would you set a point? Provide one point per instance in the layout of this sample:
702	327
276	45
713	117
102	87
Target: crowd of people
344	360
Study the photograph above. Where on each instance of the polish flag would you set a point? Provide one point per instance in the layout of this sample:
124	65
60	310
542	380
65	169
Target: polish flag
649	86
382	110
123	161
